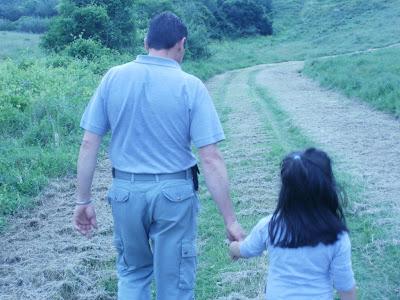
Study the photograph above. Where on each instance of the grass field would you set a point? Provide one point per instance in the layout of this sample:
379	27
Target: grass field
16	44
42	98
373	77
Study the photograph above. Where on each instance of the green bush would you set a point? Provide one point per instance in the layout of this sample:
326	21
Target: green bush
10	11
6	25
86	48
46	8
197	44
91	22
108	22
238	14
32	24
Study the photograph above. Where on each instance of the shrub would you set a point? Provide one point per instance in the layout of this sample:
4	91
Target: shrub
32	24
86	48
91	22
6	25
197	44
10	11
46	8
238	14
108	22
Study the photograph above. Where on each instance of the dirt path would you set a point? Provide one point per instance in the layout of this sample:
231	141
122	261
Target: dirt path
364	142
41	257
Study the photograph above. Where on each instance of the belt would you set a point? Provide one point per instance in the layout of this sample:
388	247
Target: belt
151	177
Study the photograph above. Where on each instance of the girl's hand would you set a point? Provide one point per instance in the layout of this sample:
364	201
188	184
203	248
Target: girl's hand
234	250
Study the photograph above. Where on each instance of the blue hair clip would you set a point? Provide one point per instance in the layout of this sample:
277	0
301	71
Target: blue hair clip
296	156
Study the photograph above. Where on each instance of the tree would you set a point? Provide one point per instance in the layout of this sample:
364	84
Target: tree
245	17
108	22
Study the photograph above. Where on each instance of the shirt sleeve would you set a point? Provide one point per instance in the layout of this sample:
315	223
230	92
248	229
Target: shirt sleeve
95	117
256	242
341	270
205	126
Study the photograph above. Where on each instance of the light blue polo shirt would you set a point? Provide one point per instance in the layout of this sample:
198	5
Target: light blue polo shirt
154	111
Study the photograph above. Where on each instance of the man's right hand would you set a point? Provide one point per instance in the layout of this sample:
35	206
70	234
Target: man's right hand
235	232
85	219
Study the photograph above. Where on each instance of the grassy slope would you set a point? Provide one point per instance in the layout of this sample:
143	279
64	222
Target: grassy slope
309	29
373	77
15	44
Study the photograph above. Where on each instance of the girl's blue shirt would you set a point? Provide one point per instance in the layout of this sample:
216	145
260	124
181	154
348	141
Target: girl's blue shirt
304	272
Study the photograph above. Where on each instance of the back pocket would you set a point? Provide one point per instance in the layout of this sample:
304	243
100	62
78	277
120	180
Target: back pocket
116	195
178	193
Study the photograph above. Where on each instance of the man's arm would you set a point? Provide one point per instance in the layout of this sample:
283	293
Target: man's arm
217	182
348	295
84	215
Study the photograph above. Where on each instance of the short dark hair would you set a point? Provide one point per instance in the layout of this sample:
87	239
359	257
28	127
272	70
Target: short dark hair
165	30
308	210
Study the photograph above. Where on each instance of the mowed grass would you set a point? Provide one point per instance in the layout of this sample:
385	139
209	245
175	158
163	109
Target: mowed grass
373	77
16	44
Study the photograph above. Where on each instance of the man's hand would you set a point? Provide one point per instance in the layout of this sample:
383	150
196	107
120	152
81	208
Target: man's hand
235	232
85	219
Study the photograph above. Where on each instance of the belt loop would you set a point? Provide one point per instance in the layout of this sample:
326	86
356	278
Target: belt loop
157	177
187	173
132	178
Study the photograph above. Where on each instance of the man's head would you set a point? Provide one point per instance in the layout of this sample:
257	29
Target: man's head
167	33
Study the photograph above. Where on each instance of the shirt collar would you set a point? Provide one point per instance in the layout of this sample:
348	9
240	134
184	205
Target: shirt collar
157	60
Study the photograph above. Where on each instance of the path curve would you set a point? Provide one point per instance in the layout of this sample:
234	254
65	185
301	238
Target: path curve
364	141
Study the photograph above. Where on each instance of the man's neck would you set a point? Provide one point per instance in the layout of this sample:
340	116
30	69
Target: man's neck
164	53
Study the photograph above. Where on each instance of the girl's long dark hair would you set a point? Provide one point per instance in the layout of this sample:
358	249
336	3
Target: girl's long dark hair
308	210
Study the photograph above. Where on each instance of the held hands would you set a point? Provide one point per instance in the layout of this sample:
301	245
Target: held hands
234	250
84	219
235	232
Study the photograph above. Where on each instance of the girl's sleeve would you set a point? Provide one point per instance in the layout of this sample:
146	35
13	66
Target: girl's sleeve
255	242
341	270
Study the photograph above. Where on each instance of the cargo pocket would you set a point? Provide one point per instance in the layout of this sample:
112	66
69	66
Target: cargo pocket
187	270
121	262
178	193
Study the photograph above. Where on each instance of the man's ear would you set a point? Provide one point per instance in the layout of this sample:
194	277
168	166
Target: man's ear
146	45
182	43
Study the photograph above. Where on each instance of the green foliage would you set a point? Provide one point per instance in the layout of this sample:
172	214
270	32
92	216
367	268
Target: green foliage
13	10
32	24
108	22
237	14
373	77
6	25
86	48
41	102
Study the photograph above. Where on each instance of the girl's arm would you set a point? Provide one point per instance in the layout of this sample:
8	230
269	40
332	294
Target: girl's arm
348	295
341	269
254	244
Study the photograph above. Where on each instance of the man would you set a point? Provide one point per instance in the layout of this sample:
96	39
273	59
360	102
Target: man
154	111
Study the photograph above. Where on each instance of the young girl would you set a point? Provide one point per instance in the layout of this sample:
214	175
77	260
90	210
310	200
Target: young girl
306	237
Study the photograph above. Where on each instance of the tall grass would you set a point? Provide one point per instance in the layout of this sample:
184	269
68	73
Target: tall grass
373	77
16	45
40	107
